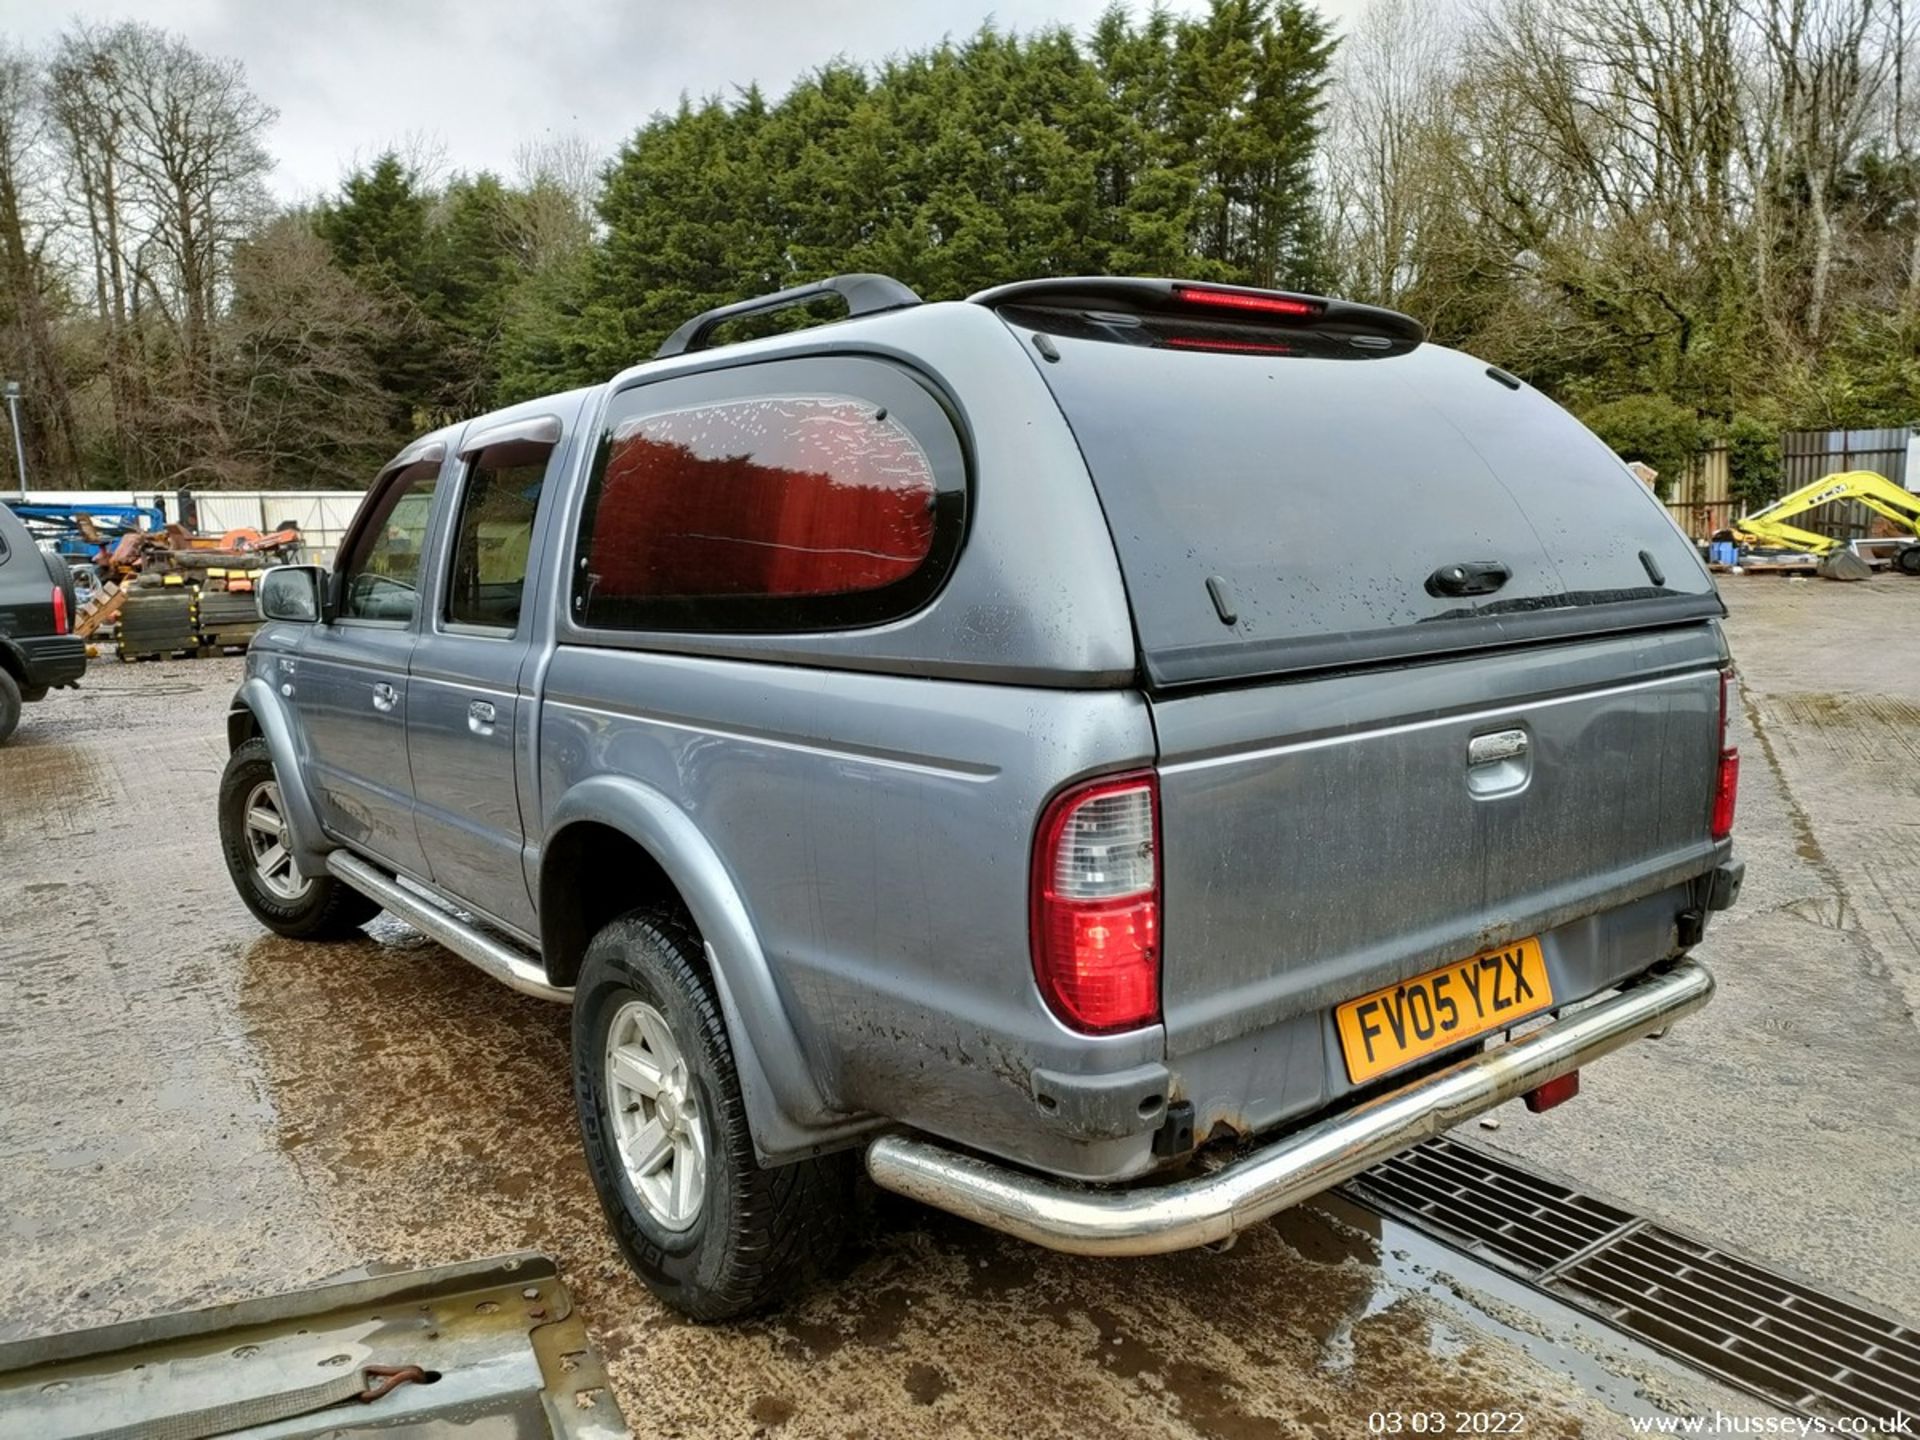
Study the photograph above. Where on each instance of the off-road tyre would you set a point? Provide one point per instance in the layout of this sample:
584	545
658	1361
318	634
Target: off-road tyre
760	1234
9	706
1907	561
326	909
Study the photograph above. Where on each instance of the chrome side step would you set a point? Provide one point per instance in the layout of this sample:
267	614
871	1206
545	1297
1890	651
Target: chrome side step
502	961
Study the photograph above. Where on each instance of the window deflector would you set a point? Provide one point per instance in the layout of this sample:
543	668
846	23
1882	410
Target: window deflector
534	429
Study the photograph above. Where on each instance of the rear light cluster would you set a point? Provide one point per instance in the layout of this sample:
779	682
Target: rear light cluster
60	617
1726	785
1096	904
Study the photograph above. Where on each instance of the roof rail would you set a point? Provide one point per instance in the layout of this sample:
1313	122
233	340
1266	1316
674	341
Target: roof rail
864	294
1240	303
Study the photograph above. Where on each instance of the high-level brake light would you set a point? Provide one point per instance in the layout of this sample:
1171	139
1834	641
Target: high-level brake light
1225	347
1242	300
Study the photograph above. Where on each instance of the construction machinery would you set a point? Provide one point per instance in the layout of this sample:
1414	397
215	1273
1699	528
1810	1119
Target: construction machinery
1834	558
79	532
193	594
160	588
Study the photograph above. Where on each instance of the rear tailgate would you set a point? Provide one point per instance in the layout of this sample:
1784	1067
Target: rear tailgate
1430	670
1326	837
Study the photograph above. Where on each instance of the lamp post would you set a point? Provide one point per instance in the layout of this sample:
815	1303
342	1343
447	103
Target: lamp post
12	392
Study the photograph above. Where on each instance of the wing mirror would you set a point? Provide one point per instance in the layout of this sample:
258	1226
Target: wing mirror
296	594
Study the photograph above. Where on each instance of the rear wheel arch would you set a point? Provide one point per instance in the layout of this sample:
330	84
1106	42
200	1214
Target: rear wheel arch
616	846
13	661
592	873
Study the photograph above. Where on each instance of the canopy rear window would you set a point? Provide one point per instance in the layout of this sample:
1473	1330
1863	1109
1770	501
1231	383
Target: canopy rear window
1286	500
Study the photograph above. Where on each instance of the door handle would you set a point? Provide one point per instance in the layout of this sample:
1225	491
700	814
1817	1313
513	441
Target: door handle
480	717
384	697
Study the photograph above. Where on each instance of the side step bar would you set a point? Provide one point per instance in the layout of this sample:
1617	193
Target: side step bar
500	960
1154	1219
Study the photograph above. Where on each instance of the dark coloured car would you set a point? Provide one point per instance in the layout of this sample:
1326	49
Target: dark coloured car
39	652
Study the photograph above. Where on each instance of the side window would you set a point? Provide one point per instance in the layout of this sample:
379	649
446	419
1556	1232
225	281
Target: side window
381	578
494	534
796	495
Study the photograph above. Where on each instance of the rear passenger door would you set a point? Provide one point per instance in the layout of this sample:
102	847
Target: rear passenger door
467	733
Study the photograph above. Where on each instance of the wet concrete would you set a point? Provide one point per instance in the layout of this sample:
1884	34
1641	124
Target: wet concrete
191	1110
1783	1119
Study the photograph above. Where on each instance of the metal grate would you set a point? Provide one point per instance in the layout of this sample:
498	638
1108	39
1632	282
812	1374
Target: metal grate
1744	1322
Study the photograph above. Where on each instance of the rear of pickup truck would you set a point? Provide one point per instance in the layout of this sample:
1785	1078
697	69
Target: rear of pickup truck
38	607
1443	789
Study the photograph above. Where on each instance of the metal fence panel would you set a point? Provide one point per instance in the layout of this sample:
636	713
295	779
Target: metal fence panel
1702	500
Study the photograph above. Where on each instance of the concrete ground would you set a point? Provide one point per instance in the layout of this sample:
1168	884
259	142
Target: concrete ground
1785	1118
191	1110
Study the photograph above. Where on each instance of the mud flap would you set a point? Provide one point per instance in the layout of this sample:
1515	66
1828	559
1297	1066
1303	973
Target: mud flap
438	1351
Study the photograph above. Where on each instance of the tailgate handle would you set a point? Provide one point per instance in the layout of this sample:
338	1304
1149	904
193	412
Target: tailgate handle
1499	763
1469	577
1501	745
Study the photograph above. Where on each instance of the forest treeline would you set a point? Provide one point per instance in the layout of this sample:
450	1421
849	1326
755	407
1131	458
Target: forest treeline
1689	220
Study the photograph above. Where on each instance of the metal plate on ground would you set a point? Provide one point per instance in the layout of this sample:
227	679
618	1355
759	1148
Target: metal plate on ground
483	1350
1745	1322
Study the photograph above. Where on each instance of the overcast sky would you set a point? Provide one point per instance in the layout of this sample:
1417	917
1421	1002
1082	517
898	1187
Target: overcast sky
350	77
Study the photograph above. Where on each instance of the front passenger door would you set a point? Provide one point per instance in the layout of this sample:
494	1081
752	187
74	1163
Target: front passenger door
350	688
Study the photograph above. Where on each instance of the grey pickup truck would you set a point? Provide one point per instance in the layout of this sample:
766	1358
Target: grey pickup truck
1112	757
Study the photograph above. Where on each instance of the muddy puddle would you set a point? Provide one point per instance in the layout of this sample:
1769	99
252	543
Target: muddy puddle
432	1110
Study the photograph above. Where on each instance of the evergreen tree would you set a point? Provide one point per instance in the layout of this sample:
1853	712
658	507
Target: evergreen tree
377	233
1173	146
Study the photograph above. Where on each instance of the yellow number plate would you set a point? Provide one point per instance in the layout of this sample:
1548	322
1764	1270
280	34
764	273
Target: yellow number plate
1490	991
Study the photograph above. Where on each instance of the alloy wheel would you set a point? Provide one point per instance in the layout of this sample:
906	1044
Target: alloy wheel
266	831
656	1116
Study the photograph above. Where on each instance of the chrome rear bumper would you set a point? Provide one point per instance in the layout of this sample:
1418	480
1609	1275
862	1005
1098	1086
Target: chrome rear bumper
1153	1219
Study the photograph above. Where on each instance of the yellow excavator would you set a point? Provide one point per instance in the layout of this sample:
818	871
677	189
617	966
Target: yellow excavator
1767	526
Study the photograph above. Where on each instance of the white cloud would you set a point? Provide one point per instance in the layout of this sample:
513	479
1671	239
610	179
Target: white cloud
483	76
